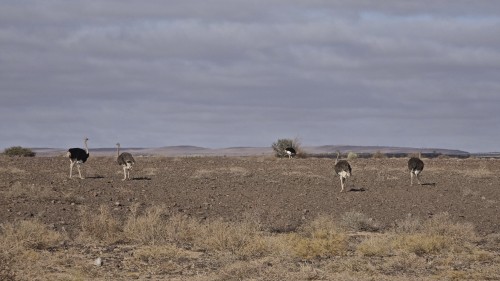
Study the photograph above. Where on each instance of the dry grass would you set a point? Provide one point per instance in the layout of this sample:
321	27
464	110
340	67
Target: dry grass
99	226
13	170
17	190
147	229
478	173
24	246
23	235
153	243
356	221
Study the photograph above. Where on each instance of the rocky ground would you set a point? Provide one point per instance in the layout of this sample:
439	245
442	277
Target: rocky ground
283	195
281	192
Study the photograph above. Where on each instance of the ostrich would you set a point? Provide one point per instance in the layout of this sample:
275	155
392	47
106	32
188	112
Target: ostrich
290	152
77	156
126	160
415	165
343	169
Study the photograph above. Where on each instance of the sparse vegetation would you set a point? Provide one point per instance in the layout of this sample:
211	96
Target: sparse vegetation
27	235
19	151
168	245
246	218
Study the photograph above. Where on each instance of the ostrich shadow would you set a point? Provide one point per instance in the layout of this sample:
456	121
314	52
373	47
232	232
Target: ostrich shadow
95	177
357	189
141	179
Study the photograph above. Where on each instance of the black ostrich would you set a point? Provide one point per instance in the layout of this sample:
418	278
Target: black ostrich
415	165
77	156
125	160
343	169
290	152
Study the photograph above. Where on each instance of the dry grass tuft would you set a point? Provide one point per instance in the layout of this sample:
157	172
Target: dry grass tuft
377	246
182	229
438	235
160	259
319	239
356	221
148	229
421	244
23	235
100	226
243	239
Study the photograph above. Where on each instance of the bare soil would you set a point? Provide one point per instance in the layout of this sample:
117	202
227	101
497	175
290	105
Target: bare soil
283	193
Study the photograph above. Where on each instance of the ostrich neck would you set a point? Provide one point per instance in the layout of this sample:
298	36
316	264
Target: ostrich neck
117	151
86	147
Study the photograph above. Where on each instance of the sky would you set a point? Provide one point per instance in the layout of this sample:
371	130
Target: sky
229	73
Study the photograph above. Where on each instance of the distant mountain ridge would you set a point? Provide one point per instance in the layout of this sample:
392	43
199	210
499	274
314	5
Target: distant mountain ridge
382	149
186	150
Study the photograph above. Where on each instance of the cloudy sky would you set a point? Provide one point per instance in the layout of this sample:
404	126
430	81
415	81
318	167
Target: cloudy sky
222	73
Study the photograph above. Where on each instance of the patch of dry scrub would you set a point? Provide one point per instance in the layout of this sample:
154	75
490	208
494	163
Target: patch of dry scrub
99	226
154	244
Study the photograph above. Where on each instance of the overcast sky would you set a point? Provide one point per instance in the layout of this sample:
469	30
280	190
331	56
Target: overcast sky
223	73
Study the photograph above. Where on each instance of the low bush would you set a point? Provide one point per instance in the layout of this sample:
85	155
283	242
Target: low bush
282	144
19	151
352	155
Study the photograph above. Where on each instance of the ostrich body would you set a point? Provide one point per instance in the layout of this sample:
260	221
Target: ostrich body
290	151
415	165
126	161
343	169
77	156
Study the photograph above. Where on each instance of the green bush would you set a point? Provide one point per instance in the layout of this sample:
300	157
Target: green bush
352	155
19	151
282	144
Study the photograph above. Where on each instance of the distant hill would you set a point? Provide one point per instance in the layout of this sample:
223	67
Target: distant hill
324	150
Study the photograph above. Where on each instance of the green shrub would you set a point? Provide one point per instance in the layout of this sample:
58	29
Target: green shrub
282	144
19	151
352	155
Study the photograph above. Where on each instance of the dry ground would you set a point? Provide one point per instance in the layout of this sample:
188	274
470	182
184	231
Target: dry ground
282	194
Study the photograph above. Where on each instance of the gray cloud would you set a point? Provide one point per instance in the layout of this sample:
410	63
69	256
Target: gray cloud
236	73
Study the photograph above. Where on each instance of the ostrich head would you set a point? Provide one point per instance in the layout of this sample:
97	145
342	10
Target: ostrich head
85	142
117	149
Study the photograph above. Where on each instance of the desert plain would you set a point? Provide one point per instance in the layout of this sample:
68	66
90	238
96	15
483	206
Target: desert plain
248	218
